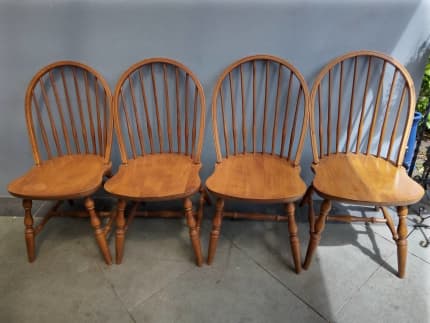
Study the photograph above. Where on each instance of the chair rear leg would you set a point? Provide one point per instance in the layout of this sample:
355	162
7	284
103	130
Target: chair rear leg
402	242
120	232
316	235
194	235
99	233
294	240
29	230
307	196
199	216
216	227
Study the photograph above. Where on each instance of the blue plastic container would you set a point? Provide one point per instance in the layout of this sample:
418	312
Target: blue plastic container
409	154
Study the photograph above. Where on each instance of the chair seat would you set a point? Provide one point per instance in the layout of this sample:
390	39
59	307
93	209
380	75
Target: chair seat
66	177
156	177
257	177
365	179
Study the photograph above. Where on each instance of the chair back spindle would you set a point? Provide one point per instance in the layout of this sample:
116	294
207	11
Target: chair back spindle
369	97
152	98
260	105
68	112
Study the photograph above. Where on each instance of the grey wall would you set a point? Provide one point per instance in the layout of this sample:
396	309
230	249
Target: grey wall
205	35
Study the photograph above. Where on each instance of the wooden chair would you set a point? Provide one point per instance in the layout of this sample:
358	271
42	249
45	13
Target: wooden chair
67	108
362	109
159	113
260	117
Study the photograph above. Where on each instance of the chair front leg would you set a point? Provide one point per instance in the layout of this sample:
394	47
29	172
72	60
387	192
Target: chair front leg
29	230
402	242
316	235
216	227
294	240
99	233
120	231
194	235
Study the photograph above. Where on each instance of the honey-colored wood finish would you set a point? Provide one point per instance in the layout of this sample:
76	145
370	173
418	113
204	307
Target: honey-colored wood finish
159	113
149	177
259	117
257	177
362	106
62	178
67	107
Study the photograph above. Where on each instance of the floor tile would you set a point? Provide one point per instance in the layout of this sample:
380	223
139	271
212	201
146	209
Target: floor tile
333	275
251	280
387	299
417	244
234	290
61	238
62	285
156	252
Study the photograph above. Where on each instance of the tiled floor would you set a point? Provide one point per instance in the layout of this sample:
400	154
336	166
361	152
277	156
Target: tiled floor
352	279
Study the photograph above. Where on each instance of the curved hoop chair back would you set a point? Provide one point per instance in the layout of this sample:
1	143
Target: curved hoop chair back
362	102
68	111
159	107
260	105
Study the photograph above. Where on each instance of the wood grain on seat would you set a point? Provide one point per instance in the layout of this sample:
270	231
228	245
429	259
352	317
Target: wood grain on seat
257	177
61	178
364	179
156	177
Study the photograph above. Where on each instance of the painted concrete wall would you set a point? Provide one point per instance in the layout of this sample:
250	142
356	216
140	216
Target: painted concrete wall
205	35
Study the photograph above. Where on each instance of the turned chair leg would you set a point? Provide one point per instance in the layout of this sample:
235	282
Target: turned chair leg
294	240
29	230
206	196
199	216
402	242
99	233
194	235
316	234
216	226
307	196
120	231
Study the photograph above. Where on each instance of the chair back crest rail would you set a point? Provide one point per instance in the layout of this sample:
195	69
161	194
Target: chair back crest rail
259	105
68	111
362	102
159	107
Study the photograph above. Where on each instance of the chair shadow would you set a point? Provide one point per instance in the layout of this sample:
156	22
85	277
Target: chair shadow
374	253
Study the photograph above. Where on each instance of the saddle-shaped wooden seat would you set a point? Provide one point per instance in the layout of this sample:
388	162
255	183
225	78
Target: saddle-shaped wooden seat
257	177
156	177
61	178
362	179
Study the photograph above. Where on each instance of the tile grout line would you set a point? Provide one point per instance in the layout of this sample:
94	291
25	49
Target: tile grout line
280	281
111	285
163	288
113	289
358	288
167	284
170	282
39	209
364	283
409	250
118	297
419	257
